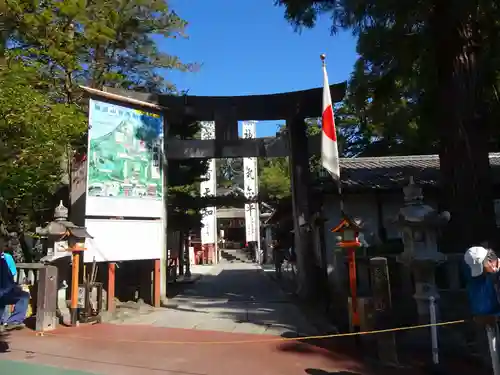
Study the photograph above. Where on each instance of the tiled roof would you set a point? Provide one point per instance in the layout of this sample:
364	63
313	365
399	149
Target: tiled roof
394	171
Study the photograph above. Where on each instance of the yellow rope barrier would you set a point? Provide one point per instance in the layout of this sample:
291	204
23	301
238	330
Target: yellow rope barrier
274	339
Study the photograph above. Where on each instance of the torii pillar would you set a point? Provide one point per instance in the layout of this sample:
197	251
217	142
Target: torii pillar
300	181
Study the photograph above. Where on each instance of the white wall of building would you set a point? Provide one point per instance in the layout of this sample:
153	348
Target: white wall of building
364	206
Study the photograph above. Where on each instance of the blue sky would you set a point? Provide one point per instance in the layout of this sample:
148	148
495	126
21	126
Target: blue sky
247	47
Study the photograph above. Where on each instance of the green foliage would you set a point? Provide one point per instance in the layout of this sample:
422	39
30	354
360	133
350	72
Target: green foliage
274	173
274	178
70	43
36	136
97	43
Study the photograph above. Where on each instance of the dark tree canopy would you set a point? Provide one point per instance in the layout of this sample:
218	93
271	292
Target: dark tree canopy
427	81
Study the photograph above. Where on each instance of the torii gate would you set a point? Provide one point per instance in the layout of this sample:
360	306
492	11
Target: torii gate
225	111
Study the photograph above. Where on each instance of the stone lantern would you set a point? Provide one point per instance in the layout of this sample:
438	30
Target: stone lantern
67	239
419	227
61	234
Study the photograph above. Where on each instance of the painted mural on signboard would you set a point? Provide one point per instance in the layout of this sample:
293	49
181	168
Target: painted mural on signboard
124	152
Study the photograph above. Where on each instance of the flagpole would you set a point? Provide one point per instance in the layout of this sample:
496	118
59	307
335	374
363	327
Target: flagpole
339	182
352	249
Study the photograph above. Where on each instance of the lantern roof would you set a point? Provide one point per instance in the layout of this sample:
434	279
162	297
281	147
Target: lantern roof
348	222
416	212
64	230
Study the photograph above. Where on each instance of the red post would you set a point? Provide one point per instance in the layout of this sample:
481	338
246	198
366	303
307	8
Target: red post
111	286
157	284
74	287
354	288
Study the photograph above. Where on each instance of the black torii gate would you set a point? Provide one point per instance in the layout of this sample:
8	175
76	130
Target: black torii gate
293	107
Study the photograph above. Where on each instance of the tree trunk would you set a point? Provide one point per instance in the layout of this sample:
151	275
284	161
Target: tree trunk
462	123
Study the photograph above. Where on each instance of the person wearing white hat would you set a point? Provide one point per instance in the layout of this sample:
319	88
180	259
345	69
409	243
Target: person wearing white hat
483	286
481	260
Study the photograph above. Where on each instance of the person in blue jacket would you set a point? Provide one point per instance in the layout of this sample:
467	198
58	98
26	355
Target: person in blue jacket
11	294
483	286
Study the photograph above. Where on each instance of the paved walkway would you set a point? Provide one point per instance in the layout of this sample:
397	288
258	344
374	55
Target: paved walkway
112	349
228	322
230	297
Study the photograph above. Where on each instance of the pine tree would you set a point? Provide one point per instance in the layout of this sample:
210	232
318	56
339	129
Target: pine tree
97	43
184	177
435	64
110	43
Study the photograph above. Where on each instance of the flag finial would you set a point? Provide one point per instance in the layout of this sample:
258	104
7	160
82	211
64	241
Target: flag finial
323	58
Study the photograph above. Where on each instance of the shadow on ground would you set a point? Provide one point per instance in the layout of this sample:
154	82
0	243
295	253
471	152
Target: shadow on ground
314	371
335	350
4	344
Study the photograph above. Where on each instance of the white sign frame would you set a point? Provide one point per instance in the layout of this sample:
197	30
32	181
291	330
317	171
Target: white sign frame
122	240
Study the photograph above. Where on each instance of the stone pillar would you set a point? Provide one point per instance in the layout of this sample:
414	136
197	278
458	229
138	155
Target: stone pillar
299	169
382	302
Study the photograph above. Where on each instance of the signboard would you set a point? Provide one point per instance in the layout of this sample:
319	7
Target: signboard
81	297
124	176
121	240
209	188
251	187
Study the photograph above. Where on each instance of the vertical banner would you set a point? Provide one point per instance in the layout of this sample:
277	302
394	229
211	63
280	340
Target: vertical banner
124	177
251	186
209	188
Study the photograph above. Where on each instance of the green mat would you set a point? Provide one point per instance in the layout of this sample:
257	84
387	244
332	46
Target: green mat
26	368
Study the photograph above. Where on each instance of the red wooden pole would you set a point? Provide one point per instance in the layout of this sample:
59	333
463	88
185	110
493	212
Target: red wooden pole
111	286
74	287
157	283
354	288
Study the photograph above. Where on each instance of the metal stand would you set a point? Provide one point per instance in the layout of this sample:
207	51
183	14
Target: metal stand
434	334
493	346
89	312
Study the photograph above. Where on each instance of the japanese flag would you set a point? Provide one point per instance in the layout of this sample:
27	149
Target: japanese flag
329	150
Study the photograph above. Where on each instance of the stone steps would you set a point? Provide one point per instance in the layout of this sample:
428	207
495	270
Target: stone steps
235	256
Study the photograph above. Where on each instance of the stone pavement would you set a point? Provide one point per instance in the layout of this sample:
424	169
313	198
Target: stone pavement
230	297
118	349
228	322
